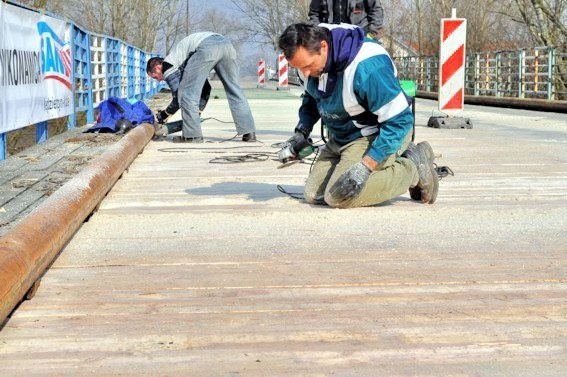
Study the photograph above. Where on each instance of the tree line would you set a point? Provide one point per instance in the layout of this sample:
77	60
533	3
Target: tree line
157	25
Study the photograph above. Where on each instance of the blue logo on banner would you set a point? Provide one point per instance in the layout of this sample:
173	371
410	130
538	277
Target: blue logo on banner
55	56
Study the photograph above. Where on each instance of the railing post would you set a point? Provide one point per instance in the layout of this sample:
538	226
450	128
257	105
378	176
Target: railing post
487	73
138	94
421	71
550	65
142	74
98	67
497	75
72	119
123	70
536	71
521	73
428	74
3	146
131	77
112	68
476	72
82	67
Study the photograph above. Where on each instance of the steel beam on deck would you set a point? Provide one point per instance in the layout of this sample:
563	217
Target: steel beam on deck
29	248
508	102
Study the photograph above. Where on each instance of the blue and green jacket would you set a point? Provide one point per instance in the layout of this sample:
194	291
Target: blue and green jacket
357	95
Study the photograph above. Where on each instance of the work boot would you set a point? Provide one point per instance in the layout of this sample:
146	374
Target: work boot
415	192
249	137
428	184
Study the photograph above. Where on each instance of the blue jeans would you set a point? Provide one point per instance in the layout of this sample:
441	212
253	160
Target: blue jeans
214	52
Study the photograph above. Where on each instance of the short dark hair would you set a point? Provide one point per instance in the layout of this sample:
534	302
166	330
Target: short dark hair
303	35
152	63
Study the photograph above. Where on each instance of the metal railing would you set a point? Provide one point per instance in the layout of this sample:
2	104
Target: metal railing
538	73
103	67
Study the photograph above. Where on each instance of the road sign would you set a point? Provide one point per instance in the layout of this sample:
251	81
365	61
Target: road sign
261	73
283	72
452	64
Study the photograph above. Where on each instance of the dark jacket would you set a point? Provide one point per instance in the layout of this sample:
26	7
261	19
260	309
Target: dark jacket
368	14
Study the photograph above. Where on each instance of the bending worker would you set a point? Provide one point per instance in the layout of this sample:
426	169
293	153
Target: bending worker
350	84
186	69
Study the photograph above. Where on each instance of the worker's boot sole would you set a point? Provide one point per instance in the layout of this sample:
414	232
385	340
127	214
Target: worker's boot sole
428	185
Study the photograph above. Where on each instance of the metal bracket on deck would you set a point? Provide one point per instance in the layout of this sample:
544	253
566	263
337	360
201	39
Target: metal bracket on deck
444	121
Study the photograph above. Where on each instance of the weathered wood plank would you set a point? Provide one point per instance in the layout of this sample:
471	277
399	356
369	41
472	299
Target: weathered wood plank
194	269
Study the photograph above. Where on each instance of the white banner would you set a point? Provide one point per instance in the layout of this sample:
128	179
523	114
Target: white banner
35	68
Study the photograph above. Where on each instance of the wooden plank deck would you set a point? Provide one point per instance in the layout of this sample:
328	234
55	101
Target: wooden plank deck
30	176
190	268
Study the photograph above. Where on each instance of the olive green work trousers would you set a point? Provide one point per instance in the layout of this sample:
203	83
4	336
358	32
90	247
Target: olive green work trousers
390	179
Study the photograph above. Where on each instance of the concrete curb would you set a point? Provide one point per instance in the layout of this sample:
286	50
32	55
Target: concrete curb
29	248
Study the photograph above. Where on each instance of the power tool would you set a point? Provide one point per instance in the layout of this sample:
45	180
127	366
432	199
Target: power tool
295	150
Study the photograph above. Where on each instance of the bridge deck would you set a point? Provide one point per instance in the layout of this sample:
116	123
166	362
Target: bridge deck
200	269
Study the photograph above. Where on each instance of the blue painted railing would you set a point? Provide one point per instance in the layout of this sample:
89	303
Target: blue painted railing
103	67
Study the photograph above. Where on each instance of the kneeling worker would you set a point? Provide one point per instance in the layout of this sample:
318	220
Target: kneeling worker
186	69
350	83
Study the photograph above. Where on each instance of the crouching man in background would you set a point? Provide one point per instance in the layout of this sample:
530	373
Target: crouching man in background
186	69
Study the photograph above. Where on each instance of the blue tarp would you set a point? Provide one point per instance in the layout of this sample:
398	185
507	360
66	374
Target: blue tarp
114	109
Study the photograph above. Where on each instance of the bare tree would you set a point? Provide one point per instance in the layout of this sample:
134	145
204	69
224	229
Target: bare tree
137	22
265	20
545	20
178	20
222	23
417	22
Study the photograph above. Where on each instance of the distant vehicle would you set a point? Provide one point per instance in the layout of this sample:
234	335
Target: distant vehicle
293	76
271	74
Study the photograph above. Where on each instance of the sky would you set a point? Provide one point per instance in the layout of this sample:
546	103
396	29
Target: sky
220	5
250	49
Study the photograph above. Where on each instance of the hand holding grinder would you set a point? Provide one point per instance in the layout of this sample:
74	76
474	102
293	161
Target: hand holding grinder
296	148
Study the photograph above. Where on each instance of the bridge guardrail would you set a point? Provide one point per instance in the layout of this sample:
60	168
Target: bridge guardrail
538	73
101	67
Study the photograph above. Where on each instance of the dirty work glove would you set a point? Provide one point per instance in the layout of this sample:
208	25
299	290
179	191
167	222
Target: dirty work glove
161	116
296	141
291	147
351	183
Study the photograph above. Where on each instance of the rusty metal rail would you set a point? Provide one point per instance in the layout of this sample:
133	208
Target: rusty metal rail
28	249
508	102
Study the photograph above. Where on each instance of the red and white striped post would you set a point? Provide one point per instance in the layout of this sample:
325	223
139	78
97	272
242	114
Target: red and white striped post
451	73
261	73
452	64
282	73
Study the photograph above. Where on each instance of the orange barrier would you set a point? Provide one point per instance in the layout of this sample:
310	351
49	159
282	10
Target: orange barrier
29	248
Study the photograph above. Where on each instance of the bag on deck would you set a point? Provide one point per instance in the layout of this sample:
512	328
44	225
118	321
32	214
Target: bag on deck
112	110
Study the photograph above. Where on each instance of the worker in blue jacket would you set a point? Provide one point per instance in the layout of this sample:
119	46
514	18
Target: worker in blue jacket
350	84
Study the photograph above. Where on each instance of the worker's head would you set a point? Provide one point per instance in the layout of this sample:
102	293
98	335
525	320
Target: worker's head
305	47
154	68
